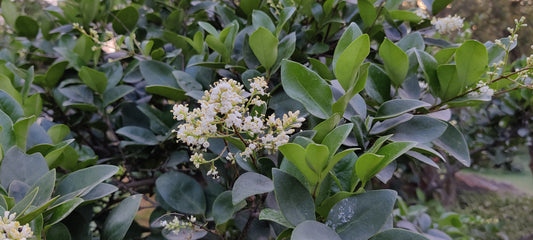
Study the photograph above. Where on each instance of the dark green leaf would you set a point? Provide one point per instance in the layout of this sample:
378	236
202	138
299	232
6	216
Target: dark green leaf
10	106
26	27
361	216
368	12
450	85
453	142
181	192
17	165
140	135
54	73
125	20
61	211
307	87
294	200
85	179
398	234
113	94
58	231
313	230
160	80
119	220
439	5
274	216
224	208
261	19
419	129
94	79
249	184
88	10
99	191
397	107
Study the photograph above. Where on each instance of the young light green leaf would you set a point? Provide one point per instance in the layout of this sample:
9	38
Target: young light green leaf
471	59
336	137
264	46
349	61
296	155
395	60
317	156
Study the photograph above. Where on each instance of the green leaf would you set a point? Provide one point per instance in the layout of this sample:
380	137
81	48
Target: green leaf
186	81
317	156
286	48
17	165
329	202
403	15
368	12
453	142
9	11
265	47
274	216
321	69
7	86
83	49
224	208
336	137
398	234
46	186
250	184
429	68
94	79
119	220
367	166
395	60
125	20
248	6
85	179
313	230
88	10
349	61
471	59
21	128
99	191
439	5
296	155
181	192
209	28
351	33
23	205
58	132
61	211
307	87
294	200
450	85
284	16
340	105
58	231
34	212
160	80
139	135
174	21
378	84
397	107
33	105
444	55
361	216
26	27
413	40
261	19
113	94
10	106
420	129
54	73
325	127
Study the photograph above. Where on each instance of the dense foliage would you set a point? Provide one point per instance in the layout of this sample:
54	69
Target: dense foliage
232	120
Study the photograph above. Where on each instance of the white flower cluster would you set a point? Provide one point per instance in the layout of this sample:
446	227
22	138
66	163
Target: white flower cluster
225	111
484	89
176	224
12	230
447	24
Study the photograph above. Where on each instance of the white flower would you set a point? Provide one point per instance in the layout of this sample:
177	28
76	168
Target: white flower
447	24
12	230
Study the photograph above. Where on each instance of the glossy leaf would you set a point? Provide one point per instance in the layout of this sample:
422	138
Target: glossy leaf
395	60
397	107
273	215
160	80
450	85
10	106
261	19
471	59
351	33
125	20
85	179
265	47
453	142
349	61
313	230
296	154
113	94
119	220
94	79
181	192
336	137
307	87
250	184
361	216
419	129
294	200
224	208
398	234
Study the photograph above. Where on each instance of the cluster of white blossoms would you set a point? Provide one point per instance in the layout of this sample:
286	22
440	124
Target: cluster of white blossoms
225	111
483	89
447	24
12	230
